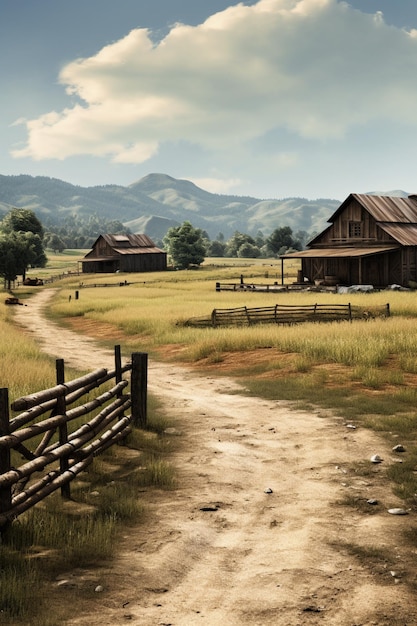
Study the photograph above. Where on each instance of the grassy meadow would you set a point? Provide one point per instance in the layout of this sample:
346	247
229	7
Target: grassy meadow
359	369
364	371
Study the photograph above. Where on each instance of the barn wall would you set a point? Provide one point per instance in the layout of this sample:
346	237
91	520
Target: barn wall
342	232
149	262
380	270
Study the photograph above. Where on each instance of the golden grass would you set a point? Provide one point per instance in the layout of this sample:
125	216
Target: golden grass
155	309
362	370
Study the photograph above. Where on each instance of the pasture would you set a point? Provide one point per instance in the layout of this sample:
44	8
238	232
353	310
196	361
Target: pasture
365	371
317	362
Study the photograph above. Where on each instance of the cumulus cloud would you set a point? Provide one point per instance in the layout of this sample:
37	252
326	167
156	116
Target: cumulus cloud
315	68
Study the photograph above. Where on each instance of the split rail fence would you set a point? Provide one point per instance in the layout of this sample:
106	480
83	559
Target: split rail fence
287	314
60	430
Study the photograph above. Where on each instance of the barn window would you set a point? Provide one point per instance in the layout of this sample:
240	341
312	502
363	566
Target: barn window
355	229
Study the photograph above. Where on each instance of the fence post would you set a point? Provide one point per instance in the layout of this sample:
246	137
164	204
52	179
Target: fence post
139	388
118	367
350	312
5	492
387	310
61	409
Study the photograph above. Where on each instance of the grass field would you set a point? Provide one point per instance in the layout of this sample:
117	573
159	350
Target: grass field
364	371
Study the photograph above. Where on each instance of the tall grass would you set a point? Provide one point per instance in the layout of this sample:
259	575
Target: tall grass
364	370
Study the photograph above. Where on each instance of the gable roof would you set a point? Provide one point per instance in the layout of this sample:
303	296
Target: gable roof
124	245
395	215
394	209
130	244
127	241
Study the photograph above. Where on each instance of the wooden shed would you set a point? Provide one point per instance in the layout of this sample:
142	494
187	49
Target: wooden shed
371	240
124	253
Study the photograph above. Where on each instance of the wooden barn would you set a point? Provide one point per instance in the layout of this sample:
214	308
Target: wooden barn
371	240
124	253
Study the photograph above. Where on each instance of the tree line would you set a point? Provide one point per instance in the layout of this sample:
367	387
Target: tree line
24	239
187	245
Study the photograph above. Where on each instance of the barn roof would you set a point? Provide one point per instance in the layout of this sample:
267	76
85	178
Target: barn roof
395	215
128	244
339	252
128	241
392	209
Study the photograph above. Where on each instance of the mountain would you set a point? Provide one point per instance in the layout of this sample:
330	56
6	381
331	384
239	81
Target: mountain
156	202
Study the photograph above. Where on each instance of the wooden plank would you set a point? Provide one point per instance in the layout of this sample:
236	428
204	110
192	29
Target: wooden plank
5	492
26	402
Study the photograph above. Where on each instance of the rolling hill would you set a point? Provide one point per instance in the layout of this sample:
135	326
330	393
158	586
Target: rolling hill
157	201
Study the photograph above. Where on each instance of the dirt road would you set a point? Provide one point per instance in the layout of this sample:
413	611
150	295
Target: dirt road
255	534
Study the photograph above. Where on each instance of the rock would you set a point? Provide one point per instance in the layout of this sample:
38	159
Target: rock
372	501
376	459
172	431
212	506
397	511
268	490
99	589
398	448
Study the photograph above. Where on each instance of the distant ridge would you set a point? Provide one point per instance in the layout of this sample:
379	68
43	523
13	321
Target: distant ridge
157	201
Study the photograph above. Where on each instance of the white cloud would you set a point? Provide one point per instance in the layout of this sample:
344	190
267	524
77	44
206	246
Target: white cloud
315	68
217	185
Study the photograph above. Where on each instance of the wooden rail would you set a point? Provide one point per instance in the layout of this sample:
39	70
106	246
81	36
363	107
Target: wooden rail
60	430
287	314
264	288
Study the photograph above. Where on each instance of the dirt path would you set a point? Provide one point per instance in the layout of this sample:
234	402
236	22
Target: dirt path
220	550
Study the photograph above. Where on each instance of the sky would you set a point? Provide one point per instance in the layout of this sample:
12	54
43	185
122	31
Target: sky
267	98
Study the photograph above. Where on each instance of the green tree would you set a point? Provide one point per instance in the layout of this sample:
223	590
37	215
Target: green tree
185	245
14	255
22	220
55	243
235	243
23	224
248	251
216	248
280	240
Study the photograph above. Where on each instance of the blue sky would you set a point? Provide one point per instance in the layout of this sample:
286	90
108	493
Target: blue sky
269	98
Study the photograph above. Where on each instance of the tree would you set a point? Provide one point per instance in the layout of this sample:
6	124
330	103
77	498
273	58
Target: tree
185	245
55	243
280	240
22	228
13	256
248	251
216	248
22	220
235	243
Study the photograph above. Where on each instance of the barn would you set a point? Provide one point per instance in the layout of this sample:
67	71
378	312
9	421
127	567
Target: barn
124	253
371	240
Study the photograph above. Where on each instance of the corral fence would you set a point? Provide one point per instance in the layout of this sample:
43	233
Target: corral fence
263	287
287	314
60	430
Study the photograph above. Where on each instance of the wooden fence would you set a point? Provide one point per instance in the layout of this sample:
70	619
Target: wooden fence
287	314
39	456
257	287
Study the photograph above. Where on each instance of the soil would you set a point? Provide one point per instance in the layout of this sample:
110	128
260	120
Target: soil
269	524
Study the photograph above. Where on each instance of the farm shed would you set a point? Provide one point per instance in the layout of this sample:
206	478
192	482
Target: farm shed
371	240
124	253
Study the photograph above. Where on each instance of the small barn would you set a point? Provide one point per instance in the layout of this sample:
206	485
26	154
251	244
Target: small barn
124	253
371	240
